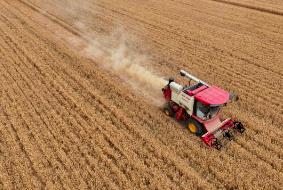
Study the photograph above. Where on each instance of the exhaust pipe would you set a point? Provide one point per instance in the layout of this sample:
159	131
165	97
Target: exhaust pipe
191	77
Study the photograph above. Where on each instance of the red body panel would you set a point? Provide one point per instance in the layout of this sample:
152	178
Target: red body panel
180	114
209	137
167	93
211	124
194	92
213	95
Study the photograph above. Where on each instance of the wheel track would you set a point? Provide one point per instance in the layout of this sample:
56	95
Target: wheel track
51	17
241	5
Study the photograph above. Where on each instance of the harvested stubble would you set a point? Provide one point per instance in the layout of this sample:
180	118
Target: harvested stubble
66	121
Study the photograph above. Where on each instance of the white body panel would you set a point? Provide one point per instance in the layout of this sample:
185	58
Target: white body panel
176	87
176	90
183	100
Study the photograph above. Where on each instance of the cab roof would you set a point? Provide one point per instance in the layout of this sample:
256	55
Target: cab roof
212	95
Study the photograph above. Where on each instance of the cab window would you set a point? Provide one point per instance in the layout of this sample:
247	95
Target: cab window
206	112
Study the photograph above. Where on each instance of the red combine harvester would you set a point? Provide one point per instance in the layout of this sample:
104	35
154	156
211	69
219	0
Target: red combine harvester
199	105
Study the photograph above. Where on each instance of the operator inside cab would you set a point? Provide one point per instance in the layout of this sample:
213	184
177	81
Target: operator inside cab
206	112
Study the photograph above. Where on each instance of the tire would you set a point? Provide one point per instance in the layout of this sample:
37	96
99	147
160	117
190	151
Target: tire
195	127
168	110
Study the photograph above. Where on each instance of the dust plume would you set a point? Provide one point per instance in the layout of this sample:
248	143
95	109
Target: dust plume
113	51
117	56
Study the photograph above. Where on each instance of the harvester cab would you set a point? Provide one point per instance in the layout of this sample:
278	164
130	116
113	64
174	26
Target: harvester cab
199	106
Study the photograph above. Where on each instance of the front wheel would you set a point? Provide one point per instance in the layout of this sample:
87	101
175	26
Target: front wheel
195	127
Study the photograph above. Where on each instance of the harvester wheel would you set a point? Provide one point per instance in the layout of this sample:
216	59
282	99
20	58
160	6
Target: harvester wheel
168	110
195	127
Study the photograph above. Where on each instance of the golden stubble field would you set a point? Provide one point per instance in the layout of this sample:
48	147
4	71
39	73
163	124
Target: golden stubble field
80	100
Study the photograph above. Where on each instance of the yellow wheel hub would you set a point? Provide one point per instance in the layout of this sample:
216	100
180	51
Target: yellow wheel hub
192	127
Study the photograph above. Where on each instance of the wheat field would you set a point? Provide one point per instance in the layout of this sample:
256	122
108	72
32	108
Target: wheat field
80	104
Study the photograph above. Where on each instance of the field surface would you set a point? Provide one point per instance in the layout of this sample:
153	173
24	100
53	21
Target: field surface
71	117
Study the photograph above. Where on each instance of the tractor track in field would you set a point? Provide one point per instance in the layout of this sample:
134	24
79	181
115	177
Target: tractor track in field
241	5
50	16
73	127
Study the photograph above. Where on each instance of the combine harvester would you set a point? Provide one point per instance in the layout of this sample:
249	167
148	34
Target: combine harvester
199	106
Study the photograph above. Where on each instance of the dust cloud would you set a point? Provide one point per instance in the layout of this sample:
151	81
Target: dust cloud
113	52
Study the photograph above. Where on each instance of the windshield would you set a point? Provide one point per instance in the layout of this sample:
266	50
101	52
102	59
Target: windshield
206	112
